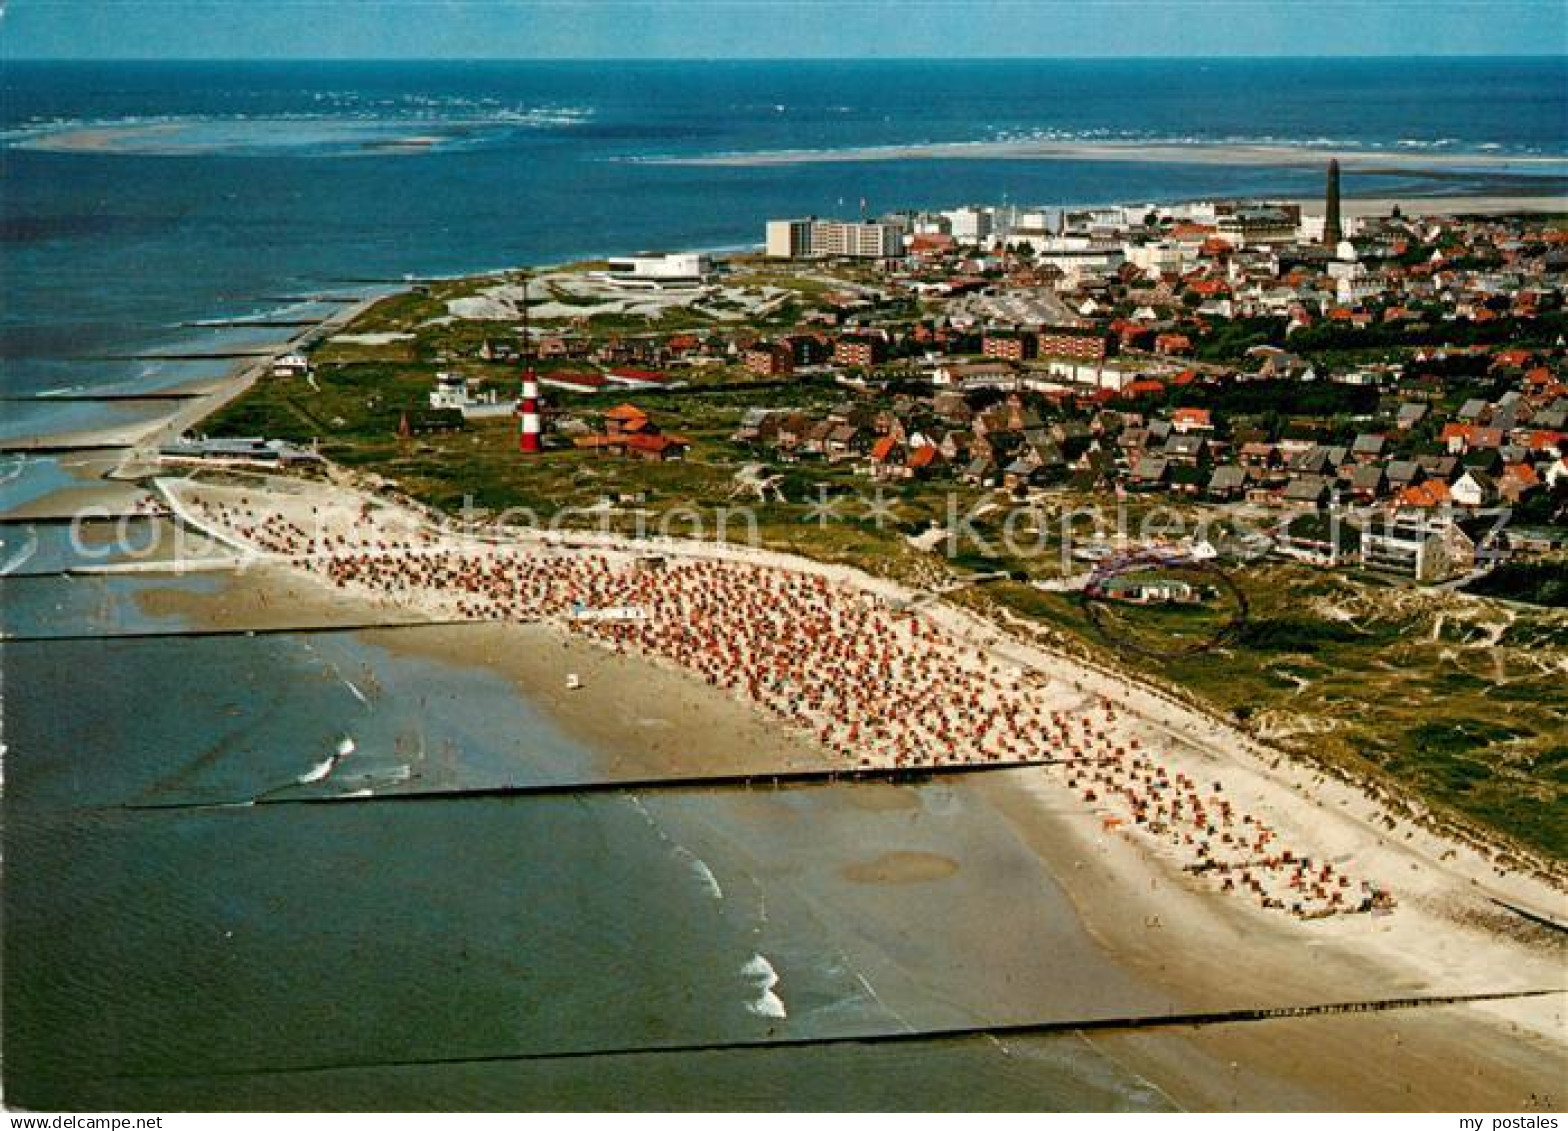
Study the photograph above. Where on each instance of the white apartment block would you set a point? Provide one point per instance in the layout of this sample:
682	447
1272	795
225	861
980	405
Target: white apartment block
833	239
970	225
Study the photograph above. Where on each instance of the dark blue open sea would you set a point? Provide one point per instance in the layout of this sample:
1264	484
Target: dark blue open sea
381	956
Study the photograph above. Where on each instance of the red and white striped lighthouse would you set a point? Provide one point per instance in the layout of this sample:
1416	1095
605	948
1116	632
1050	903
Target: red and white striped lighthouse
528	435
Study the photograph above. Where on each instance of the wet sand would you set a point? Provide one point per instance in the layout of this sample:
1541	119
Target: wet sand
1157	153
643	720
99	139
902	868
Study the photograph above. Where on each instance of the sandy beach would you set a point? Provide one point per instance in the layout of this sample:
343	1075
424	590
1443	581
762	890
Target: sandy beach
1157	921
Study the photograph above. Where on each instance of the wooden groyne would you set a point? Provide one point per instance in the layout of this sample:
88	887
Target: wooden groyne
96	398
210	633
771	779
59	448
1019	1030
94	516
1534	917
221	355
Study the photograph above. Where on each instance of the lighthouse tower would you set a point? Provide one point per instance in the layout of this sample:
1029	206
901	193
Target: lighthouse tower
529	440
528	434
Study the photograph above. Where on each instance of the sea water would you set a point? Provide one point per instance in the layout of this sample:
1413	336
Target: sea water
171	942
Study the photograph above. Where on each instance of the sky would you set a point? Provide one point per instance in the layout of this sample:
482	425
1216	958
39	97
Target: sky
773	29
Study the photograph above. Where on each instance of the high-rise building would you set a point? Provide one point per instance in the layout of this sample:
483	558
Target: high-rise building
833	239
789	239
1333	231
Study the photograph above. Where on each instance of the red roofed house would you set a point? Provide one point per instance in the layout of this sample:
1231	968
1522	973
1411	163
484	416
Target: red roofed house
887	456
1132	335
626	420
628	430
1425	496
1172	343
658	447
932	244
1192	233
1147	387
1186	420
923	459
1517	481
1456	436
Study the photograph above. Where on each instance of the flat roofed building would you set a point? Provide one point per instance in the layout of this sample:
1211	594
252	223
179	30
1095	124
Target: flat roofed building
657	269
1253	227
833	239
788	239
1424	550
1081	343
969	225
859	351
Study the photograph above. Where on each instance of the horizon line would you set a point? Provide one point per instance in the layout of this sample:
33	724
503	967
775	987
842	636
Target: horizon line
4	58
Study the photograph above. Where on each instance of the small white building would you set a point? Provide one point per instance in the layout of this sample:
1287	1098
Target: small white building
291	364
1098	375
659	270
453	391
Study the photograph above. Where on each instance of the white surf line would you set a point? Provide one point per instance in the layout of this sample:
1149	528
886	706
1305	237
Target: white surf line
322	770
764	978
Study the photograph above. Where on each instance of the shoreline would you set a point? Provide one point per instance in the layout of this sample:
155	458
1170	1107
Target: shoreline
1168	932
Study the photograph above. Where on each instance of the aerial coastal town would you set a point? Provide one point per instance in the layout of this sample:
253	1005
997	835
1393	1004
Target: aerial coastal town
1304	469
1408	370
643	583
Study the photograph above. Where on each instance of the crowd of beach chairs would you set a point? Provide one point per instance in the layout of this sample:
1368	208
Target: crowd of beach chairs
874	683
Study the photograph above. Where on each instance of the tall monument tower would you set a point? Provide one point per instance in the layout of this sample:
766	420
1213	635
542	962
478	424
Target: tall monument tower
1333	232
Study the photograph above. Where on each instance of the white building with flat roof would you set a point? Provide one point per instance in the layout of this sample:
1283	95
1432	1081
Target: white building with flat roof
1160	257
654	270
969	225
